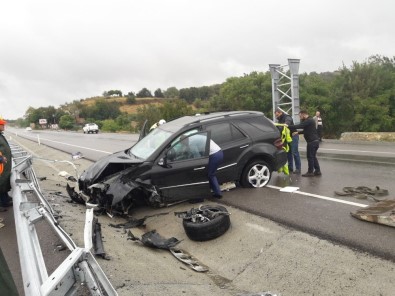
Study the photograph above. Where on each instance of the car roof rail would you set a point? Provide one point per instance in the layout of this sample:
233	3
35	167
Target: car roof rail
220	114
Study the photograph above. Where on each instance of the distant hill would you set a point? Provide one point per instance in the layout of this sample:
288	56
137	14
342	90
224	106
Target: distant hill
125	107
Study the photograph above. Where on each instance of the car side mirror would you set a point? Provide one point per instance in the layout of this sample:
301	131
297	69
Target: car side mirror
163	162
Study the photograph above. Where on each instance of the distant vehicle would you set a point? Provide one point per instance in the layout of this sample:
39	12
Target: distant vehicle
90	128
163	167
28	129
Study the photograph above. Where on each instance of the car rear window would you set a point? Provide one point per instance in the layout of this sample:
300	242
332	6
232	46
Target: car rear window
261	123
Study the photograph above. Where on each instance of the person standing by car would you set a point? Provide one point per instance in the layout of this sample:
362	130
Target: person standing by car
6	163
310	134
318	124
216	156
293	152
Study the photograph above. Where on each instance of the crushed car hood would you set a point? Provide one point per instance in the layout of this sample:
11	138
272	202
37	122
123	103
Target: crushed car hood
107	166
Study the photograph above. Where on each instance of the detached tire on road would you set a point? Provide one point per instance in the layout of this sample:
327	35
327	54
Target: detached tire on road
203	231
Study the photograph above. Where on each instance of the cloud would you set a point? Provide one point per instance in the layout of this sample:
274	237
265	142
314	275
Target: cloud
55	52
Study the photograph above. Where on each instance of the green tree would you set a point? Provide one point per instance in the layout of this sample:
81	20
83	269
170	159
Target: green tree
110	93
144	93
66	122
175	108
151	113
101	110
170	110
171	93
363	94
109	125
124	121
131	94
250	92
158	93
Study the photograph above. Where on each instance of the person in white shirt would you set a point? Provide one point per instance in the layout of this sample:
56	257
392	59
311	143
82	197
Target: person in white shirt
318	124
216	156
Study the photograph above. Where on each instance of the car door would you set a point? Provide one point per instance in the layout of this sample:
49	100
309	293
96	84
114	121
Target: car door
143	131
233	143
181	171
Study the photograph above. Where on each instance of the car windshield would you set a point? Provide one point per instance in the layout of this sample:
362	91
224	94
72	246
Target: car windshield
146	146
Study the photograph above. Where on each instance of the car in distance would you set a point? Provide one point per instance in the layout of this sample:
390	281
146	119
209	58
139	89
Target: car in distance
90	128
162	169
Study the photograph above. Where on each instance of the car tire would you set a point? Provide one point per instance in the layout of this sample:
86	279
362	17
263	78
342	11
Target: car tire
203	231
256	174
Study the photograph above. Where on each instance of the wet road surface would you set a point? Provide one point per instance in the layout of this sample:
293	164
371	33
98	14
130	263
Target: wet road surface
315	209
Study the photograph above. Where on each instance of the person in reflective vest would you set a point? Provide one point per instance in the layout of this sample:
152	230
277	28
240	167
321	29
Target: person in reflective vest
286	139
293	152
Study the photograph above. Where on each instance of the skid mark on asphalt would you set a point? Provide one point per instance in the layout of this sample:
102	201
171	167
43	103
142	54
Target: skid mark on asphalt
323	197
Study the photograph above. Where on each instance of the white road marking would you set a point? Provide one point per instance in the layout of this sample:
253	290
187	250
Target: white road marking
323	197
71	145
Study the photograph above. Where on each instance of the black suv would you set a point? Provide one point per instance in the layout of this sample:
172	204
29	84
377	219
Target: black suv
159	170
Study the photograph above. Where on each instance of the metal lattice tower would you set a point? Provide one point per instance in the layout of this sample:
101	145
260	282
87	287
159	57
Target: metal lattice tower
285	88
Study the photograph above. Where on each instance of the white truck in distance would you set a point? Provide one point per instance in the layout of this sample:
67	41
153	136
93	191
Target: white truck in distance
90	128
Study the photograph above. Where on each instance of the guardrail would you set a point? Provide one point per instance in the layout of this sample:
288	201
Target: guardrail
79	270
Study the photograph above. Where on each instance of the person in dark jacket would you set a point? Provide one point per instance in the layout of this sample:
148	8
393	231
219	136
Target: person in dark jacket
6	162
309	131
293	153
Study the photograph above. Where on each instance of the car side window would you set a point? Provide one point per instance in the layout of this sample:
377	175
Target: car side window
261	123
188	147
224	133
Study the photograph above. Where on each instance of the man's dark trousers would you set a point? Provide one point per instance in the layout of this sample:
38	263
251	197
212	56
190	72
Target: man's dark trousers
312	160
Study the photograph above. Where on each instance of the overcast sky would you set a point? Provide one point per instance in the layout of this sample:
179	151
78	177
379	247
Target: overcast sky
54	52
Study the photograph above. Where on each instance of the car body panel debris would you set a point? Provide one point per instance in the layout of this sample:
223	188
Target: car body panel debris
153	239
97	239
188	259
76	155
382	212
363	192
133	222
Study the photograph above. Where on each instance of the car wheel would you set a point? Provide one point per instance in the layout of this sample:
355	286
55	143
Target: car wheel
217	224
256	174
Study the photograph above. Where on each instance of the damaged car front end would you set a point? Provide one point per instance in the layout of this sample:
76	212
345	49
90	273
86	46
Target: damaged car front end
117	182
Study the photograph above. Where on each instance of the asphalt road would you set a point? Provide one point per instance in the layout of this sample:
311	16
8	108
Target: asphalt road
314	209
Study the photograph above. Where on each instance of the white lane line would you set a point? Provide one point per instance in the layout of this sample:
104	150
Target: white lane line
323	197
71	145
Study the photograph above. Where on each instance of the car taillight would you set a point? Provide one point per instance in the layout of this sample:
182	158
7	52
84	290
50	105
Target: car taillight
278	143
